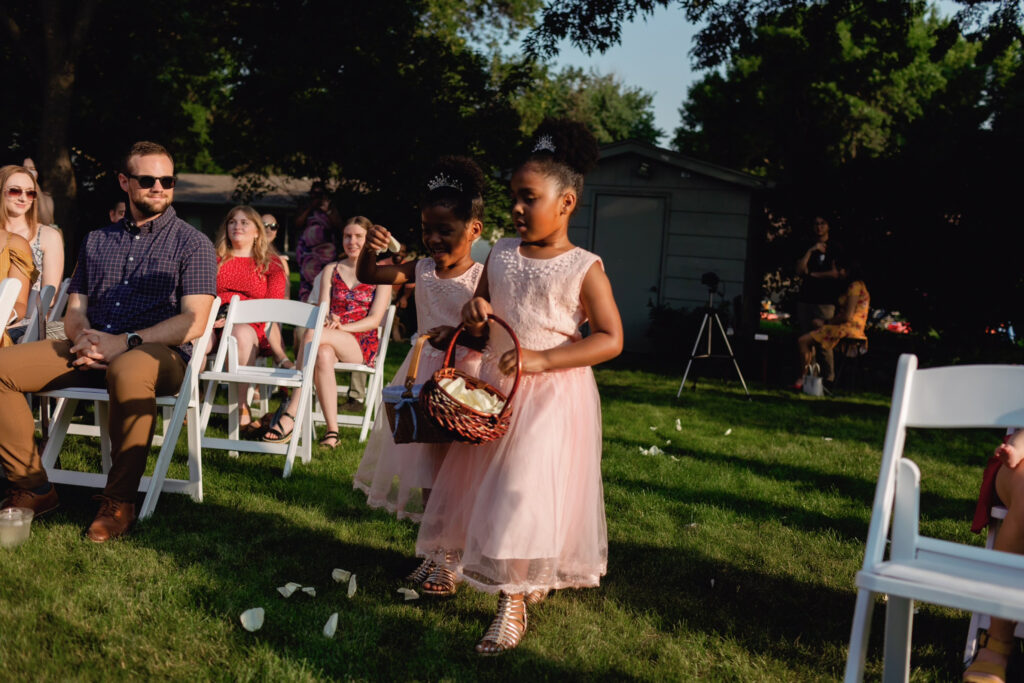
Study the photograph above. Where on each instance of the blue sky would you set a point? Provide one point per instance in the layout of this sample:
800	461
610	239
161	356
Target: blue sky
654	55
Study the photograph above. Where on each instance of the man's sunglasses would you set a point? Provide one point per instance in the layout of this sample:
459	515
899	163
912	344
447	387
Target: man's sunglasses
18	191
147	181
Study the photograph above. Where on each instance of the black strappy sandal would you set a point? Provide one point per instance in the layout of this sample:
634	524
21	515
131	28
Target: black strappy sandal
274	433
328	436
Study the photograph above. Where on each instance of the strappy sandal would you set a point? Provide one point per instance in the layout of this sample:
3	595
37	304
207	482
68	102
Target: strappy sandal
422	572
988	672
275	435
441	581
507	629
538	596
327	437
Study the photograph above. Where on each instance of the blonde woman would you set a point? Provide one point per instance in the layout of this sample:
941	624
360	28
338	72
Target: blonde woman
20	215
247	268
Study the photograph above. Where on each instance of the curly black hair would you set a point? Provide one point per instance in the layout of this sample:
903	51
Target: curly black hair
575	151
465	199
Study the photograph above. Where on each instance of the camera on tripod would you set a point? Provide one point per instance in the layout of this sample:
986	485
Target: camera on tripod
711	280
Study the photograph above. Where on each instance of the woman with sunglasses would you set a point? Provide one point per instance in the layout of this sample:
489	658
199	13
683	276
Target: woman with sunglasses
17	208
21	216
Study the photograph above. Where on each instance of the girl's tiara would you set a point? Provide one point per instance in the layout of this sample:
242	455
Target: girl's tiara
545	143
443	180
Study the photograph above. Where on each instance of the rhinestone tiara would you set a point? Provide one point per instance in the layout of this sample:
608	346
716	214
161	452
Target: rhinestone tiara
545	143
443	180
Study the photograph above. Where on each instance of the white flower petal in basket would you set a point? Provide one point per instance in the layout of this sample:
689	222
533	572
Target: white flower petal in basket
352	585
252	619
340	575
331	626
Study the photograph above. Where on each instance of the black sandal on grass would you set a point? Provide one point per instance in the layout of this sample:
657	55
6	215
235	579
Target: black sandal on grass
329	436
275	435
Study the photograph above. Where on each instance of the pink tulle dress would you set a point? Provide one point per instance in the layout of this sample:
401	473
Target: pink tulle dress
526	511
392	475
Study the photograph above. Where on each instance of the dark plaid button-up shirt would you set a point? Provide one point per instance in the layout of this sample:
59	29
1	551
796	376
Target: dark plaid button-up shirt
135	277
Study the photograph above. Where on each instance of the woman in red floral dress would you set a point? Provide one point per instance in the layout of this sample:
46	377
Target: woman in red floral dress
249	269
349	335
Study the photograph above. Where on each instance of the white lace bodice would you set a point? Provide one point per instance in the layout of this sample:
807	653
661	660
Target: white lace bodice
538	298
439	301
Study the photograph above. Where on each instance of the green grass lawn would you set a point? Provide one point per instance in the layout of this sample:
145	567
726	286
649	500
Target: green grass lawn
731	558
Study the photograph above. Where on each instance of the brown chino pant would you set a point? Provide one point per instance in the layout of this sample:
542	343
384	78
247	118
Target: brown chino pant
134	379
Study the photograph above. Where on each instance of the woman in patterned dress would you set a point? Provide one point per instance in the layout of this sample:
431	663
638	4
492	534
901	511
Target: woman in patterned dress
349	334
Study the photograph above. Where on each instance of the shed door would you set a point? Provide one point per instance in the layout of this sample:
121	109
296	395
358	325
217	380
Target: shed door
628	238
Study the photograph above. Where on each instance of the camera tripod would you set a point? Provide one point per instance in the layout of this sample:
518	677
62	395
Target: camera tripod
710	314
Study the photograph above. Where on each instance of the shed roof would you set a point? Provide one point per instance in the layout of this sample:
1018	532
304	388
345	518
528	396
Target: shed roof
209	188
685	163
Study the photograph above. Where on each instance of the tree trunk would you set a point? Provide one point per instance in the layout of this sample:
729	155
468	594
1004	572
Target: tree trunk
62	45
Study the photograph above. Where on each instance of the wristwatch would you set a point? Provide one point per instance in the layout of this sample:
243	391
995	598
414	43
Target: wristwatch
133	340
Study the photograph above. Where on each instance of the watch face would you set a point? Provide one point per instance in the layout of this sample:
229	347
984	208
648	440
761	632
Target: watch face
134	340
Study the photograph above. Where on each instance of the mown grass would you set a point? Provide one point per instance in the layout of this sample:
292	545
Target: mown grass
731	558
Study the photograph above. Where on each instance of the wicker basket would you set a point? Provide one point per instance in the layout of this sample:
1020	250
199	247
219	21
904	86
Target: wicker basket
465	423
406	414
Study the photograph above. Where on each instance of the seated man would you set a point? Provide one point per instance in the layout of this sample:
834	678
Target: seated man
142	290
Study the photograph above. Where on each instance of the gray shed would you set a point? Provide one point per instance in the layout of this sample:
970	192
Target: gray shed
660	220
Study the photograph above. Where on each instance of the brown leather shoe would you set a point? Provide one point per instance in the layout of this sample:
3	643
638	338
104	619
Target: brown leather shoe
39	503
114	519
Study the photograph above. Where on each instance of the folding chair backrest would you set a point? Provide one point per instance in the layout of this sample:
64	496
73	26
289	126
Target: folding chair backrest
36	305
60	301
10	288
284	311
965	396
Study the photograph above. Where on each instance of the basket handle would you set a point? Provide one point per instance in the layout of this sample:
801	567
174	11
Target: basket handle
519	356
414	364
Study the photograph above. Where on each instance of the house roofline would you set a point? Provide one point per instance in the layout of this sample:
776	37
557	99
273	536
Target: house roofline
666	156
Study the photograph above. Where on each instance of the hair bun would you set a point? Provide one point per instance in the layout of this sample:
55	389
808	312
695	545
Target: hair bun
564	141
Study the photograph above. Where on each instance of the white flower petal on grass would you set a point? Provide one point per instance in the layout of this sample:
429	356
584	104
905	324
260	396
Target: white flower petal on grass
289	588
668	441
352	585
653	428
679	425
828	438
728	431
252	619
656	451
331	626
409	593
309	590
340	575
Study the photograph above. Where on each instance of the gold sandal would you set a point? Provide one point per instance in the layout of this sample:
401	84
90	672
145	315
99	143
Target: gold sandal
538	596
988	672
422	572
440	582
507	629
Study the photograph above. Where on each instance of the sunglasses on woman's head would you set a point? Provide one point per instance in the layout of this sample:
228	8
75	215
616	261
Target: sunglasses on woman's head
147	181
18	191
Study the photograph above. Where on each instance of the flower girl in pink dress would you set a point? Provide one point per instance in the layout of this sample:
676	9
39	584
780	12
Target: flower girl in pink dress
524	514
398	477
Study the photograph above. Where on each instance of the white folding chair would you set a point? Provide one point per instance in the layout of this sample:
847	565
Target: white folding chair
921	568
184	403
374	383
10	288
60	301
35	313
226	370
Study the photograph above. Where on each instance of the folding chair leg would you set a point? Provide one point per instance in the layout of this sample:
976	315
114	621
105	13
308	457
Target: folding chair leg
859	637
102	412
899	619
195	454
233	419
58	431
